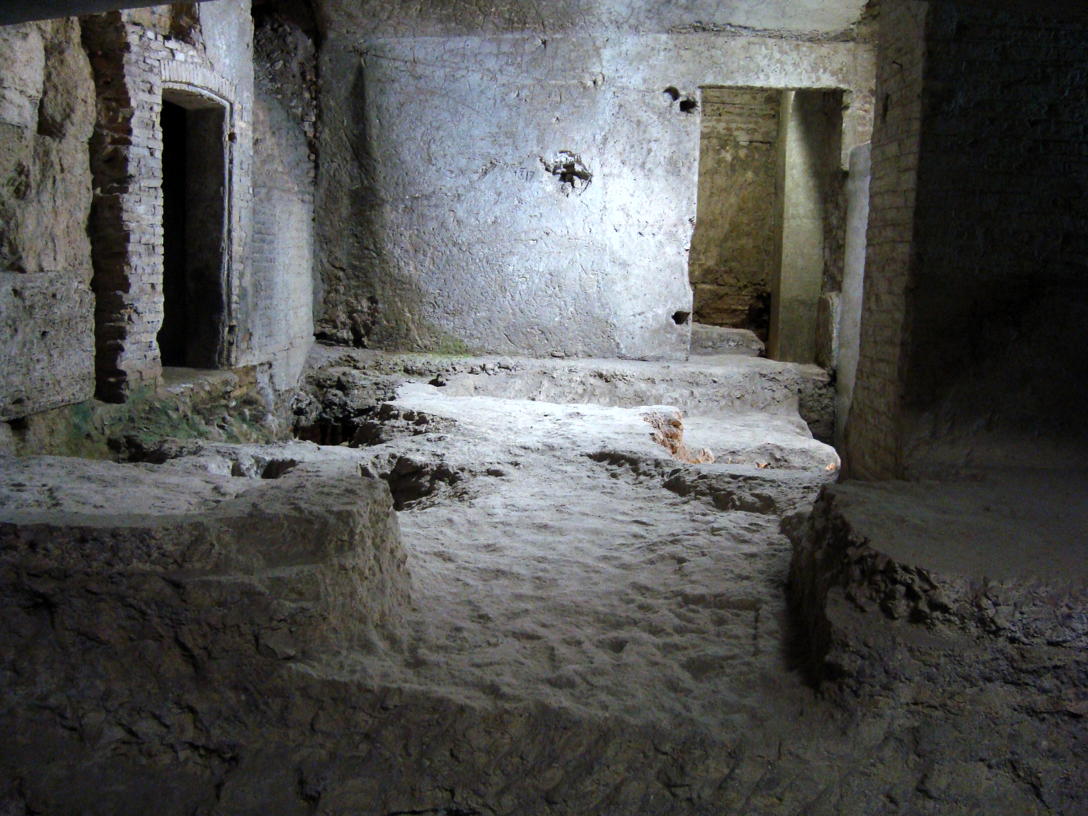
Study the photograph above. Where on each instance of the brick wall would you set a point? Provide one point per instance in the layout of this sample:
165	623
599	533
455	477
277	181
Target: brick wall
135	54
81	157
996	373
976	293
873	429
126	216
732	247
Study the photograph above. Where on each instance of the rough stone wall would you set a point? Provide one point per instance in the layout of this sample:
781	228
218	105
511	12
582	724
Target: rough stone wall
284	125
996	372
528	192
873	429
732	247
46	114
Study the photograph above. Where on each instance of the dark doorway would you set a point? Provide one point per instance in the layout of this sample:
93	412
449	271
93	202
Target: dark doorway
194	183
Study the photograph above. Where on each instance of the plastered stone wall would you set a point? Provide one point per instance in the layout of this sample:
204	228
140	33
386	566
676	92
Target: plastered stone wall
853	287
873	430
808	188
280	300
46	306
530	191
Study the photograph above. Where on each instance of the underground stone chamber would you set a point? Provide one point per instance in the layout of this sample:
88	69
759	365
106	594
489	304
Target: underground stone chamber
560	530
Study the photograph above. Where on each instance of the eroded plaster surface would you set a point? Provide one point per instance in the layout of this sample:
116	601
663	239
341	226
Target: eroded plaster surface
530	192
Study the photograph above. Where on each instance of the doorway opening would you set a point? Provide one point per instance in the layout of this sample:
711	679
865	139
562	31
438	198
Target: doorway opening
732	248
770	185
194	183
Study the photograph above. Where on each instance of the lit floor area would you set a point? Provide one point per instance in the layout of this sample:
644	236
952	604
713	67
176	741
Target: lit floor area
565	558
579	605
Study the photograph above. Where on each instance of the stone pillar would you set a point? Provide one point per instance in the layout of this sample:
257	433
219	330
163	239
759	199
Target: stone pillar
853	280
808	149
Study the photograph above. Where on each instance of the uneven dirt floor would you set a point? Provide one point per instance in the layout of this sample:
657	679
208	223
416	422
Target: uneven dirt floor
586	614
575	562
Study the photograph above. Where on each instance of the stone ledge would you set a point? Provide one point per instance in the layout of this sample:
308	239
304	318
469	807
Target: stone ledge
895	585
309	557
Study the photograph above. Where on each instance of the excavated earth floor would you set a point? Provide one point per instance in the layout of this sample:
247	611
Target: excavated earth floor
588	615
571	560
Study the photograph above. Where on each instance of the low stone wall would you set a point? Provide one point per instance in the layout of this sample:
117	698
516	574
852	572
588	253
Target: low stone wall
896	584
152	618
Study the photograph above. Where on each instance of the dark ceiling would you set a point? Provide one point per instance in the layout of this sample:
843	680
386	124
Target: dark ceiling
20	11
17	11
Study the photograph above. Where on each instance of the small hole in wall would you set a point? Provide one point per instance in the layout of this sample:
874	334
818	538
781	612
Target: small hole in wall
568	168
680	318
688	105
672	93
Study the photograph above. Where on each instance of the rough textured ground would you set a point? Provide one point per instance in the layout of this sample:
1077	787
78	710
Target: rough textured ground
963	603
567	559
585	623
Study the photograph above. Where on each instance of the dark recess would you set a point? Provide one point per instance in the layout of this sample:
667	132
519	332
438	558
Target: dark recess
194	232
175	300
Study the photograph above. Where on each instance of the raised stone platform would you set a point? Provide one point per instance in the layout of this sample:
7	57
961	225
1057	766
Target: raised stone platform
346	383
288	556
960	612
149	617
888	578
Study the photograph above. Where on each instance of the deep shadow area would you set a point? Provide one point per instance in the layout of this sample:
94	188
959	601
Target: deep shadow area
175	298
194	230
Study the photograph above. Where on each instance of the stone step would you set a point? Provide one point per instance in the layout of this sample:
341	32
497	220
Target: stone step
706	340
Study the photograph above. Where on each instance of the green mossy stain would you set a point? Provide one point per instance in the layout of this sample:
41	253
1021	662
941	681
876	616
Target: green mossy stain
444	344
223	412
